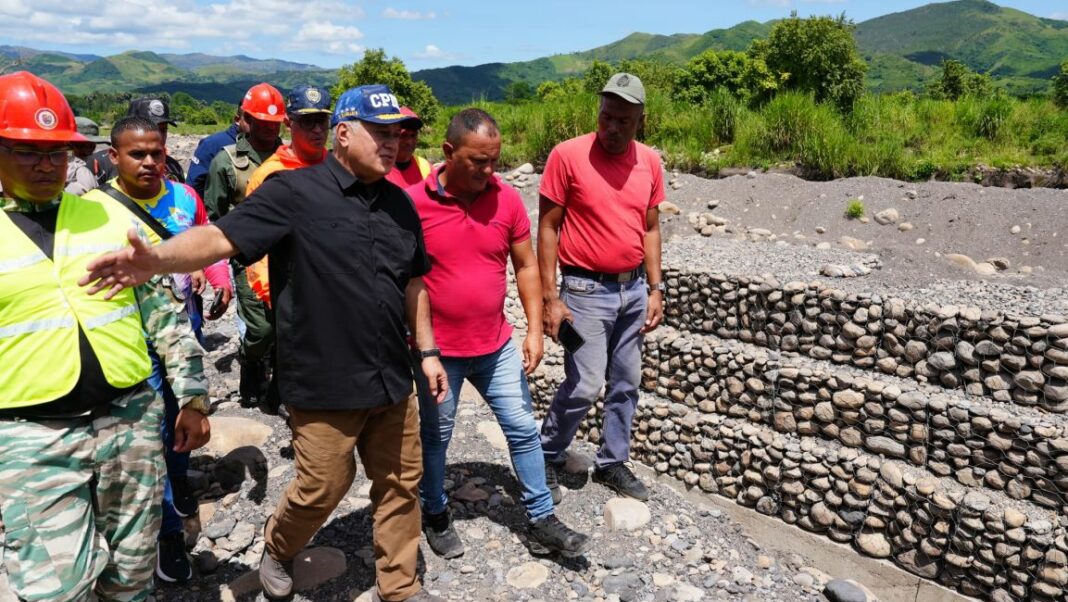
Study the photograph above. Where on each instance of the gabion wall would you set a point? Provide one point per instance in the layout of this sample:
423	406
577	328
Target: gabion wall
1019	359
929	436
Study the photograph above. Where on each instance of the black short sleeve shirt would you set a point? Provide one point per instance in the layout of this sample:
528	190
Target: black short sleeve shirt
341	255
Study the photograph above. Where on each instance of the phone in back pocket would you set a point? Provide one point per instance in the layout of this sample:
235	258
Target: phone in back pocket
569	337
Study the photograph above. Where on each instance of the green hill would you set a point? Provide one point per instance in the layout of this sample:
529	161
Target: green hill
1020	50
903	50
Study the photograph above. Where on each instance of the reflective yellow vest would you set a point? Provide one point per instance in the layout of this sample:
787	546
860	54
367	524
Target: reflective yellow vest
424	166
42	306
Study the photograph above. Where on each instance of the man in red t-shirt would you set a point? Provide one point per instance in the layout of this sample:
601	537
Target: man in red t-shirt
599	218
472	223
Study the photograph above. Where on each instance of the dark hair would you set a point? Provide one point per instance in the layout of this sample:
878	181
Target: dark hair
131	124
469	120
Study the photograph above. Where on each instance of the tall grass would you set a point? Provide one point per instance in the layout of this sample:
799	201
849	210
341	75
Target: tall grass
897	135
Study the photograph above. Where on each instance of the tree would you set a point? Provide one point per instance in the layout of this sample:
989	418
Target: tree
374	68
958	80
817	55
596	76
519	91
550	90
744	77
655	75
1060	86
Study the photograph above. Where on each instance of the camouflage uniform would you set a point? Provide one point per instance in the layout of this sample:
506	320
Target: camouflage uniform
80	496
224	190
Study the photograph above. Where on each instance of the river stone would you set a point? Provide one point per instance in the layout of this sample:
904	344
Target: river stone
232	432
845	590
874	544
887	216
684	592
625	514
886	446
527	576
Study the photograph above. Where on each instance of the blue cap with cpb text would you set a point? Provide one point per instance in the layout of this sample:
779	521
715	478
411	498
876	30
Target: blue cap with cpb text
374	103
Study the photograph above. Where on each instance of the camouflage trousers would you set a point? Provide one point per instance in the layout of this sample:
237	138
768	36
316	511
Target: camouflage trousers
80	500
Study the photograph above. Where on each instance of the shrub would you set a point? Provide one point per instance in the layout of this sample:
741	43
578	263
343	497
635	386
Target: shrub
1060	87
855	209
817	55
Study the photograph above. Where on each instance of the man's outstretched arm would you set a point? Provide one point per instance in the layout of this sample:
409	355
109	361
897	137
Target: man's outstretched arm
189	251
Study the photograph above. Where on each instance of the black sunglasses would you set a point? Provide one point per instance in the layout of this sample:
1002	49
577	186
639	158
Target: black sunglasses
28	157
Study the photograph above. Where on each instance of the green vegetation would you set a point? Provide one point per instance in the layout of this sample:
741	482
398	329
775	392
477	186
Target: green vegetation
854	209
899	136
374	68
817	55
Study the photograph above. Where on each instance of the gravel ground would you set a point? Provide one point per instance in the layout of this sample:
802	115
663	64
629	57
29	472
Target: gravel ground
683	551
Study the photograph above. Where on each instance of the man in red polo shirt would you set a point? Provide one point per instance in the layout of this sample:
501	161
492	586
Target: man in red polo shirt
599	217
472	223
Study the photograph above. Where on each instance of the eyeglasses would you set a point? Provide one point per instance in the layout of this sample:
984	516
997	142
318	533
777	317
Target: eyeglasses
310	122
27	157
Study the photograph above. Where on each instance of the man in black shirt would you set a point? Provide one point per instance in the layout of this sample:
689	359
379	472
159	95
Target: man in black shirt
346	265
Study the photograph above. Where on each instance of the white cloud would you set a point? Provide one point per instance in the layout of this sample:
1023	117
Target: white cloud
408	15
226	26
334	39
433	53
790	3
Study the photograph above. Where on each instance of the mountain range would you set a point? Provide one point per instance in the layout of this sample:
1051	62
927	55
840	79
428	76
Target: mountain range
903	51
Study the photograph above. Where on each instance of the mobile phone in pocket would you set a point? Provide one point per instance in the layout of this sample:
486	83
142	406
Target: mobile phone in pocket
569	337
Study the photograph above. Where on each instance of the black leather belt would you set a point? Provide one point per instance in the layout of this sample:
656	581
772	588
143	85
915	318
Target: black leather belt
634	274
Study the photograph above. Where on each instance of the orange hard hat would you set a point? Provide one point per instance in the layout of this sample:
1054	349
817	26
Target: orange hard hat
31	109
264	102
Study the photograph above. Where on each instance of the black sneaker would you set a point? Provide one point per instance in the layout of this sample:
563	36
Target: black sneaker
552	481
441	535
550	536
172	565
253	379
619	478
185	503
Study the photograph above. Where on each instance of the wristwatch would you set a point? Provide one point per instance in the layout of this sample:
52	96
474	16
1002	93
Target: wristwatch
659	286
200	404
432	352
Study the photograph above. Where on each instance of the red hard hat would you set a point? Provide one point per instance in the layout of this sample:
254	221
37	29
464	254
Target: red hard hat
264	102
31	109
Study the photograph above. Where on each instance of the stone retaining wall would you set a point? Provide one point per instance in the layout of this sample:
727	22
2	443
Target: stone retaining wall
1017	359
981	444
932	436
980	545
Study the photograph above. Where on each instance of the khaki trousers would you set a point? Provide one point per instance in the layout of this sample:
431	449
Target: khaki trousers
387	440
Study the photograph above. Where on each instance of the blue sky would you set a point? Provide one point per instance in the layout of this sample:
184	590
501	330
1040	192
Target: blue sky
423	33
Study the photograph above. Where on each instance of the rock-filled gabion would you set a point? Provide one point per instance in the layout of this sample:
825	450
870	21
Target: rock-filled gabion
1014	359
930	436
982	545
1020	451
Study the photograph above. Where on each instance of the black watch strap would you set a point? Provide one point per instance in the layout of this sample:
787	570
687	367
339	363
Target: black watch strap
432	352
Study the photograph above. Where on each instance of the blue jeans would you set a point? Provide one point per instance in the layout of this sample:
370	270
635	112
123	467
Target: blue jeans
609	316
499	377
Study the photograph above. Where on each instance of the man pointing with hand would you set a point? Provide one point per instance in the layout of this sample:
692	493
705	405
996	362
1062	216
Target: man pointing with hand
346	266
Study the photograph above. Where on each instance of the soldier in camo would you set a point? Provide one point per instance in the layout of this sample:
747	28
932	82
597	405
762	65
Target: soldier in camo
81	471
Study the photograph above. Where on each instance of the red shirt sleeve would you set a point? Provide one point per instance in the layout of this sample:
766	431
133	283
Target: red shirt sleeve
201	217
554	180
520	220
657	194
